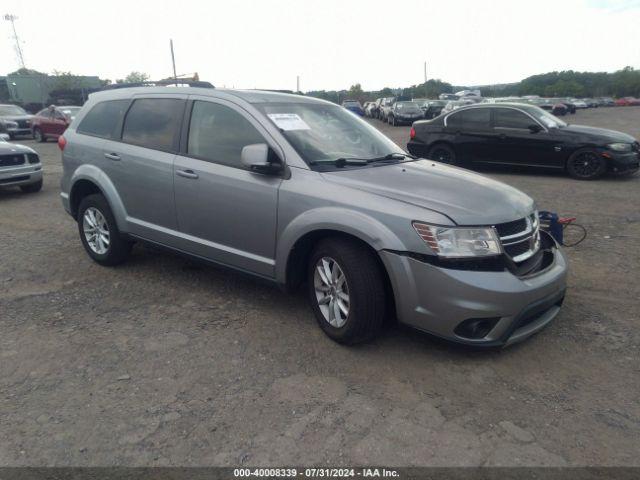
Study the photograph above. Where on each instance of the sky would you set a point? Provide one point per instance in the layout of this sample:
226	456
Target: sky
329	44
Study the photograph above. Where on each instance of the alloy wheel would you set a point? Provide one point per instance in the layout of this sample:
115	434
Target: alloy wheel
586	164
96	230
332	291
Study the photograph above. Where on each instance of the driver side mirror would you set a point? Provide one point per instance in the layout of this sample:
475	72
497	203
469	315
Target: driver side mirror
256	159
535	128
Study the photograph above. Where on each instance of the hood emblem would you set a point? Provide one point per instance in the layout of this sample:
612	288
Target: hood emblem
557	148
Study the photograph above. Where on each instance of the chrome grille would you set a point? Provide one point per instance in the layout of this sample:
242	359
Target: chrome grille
520	239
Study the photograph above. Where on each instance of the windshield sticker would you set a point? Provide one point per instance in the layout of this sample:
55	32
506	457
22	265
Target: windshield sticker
289	121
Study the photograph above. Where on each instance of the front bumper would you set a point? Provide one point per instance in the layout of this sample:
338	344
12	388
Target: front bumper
408	120
623	162
438	300
20	175
19	131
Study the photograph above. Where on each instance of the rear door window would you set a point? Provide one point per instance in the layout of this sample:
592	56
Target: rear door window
103	118
474	118
510	118
154	123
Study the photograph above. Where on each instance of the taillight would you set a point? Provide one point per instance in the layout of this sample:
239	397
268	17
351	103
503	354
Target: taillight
412	133
62	142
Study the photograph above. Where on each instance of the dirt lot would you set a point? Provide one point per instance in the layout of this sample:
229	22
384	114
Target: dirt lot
164	362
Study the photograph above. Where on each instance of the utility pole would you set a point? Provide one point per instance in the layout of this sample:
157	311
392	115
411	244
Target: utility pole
173	62
425	72
297	83
12	18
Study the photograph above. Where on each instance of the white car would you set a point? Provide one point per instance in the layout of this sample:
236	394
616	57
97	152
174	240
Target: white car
20	166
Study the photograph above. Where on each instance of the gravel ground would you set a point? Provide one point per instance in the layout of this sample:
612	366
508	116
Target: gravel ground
165	362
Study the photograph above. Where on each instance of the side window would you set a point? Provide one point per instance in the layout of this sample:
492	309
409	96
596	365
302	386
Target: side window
510	118
58	115
219	133
103	118
43	113
153	123
471	118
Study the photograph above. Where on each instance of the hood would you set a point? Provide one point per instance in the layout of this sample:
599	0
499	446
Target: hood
8	148
606	136
465	197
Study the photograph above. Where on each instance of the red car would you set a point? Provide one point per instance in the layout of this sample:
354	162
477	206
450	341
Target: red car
52	122
627	101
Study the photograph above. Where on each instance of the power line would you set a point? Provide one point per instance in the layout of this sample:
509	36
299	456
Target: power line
12	18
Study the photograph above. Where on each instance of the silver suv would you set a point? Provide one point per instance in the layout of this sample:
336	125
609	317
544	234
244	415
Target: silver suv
300	191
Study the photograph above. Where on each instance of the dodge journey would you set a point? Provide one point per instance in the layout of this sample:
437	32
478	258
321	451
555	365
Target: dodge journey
299	191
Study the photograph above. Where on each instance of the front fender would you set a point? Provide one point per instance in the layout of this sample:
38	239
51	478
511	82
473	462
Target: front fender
101	180
351	222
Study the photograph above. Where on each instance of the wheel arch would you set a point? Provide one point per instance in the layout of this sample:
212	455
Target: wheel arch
88	180
298	260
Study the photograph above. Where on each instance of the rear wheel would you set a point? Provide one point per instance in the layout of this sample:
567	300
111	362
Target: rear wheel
586	164
346	290
99	233
443	153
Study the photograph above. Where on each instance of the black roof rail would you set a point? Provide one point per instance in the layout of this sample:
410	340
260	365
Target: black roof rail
160	83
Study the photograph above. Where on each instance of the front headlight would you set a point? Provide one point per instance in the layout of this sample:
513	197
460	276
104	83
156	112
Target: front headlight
459	242
10	124
619	147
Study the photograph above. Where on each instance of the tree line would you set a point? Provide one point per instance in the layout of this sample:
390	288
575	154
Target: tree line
569	83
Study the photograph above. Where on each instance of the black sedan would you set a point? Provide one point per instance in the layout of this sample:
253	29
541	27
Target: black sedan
404	113
433	108
524	135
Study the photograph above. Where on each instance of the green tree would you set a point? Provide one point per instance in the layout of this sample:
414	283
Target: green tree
134	77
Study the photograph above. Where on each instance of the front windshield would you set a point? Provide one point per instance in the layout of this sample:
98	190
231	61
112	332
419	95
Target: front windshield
408	106
544	117
12	110
324	132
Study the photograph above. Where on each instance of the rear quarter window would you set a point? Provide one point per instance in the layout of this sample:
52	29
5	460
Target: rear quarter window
103	118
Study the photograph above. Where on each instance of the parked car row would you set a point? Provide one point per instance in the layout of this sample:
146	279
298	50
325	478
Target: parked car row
48	123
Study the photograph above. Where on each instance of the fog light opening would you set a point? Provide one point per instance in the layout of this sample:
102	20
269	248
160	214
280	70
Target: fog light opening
476	328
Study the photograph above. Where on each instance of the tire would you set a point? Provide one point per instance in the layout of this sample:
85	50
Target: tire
118	248
441	152
32	187
586	164
38	136
364	286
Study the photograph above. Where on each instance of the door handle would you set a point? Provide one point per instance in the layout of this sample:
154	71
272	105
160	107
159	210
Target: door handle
112	156
187	174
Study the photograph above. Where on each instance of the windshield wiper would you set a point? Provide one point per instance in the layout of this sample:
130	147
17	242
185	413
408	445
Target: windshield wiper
391	156
341	162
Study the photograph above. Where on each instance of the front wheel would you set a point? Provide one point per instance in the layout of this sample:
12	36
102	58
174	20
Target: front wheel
443	153
38	136
586	164
99	233
346	290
